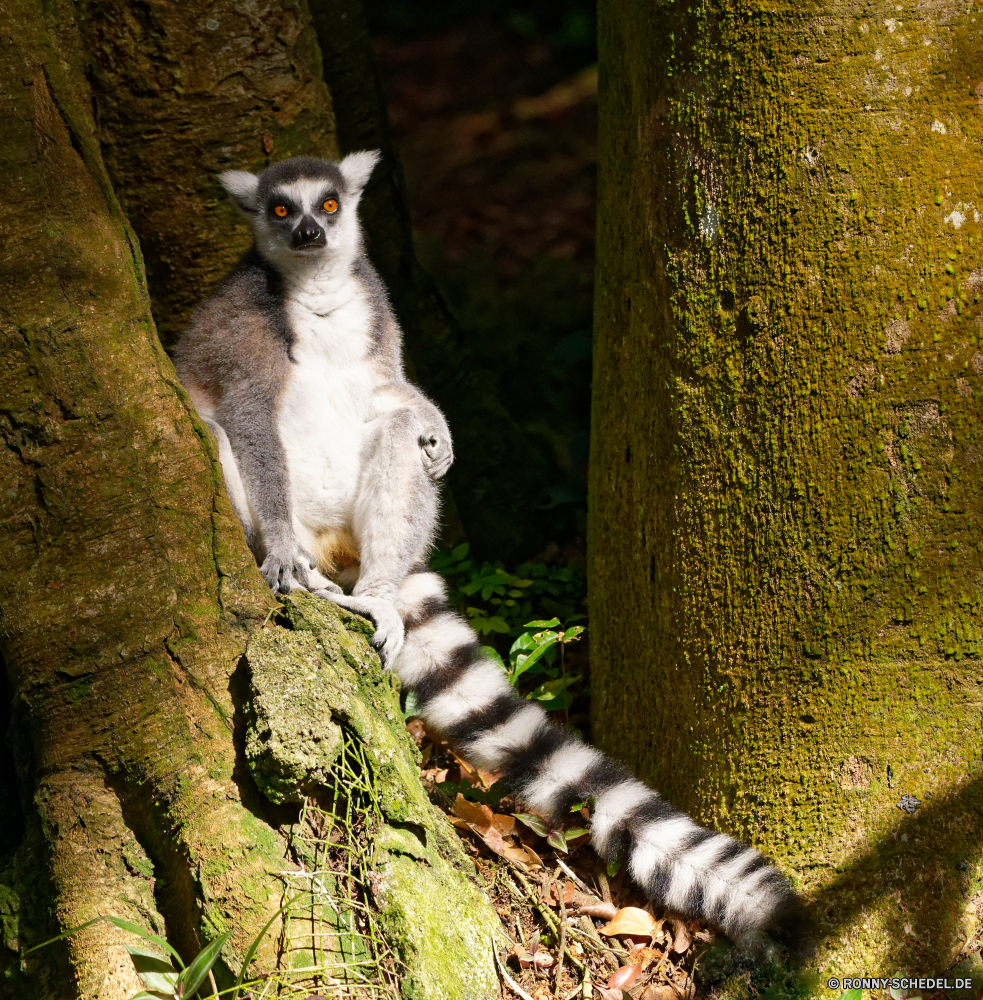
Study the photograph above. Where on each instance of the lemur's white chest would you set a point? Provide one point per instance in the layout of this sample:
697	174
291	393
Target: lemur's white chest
327	401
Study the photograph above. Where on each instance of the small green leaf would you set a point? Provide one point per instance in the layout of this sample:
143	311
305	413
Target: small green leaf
852	995
535	823
524	663
574	832
125	925
194	975
557	840
572	633
492	654
552	689
144	995
524	642
460	552
156	972
613	868
411	705
552	623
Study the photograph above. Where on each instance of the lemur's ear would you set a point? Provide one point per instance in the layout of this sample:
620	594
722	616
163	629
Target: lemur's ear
356	168
242	187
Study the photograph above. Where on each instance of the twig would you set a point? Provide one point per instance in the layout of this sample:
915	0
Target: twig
558	888
212	983
508	979
579	881
602	881
589	931
546	913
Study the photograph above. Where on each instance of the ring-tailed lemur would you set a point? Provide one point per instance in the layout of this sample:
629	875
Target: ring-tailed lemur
330	457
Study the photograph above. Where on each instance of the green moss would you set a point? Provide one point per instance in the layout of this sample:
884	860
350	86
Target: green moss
304	690
445	928
787	512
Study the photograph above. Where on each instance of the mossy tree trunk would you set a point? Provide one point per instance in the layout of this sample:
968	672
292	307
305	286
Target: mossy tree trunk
140	680
786	520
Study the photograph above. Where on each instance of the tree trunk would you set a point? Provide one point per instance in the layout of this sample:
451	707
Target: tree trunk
164	776
786	510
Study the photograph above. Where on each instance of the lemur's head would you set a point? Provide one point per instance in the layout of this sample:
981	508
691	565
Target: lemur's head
303	209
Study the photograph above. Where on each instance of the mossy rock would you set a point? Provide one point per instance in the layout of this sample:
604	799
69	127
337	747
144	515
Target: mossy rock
312	681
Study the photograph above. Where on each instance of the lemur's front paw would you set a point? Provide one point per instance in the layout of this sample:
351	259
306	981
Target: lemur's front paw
287	569
389	632
320	585
438	453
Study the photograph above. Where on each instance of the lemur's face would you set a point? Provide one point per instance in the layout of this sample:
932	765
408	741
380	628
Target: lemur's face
304	215
303	209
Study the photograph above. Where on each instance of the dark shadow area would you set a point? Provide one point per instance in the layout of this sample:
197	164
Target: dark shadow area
11	812
489	113
938	846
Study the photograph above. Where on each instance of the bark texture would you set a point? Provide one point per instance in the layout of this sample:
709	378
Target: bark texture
128	599
184	91
786	519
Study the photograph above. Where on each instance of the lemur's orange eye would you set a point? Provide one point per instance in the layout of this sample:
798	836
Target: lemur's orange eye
330	206
280	210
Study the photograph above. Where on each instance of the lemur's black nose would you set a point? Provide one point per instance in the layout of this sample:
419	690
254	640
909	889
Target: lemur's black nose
307	234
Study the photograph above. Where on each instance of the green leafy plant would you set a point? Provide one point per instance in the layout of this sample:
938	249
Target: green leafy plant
160	977
534	654
497	601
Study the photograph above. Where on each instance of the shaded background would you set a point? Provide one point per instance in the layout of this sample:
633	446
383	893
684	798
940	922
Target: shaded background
493	110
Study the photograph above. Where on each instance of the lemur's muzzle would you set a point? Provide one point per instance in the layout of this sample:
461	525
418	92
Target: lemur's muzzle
308	235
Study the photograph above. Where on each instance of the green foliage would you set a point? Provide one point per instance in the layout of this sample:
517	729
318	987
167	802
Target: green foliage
159	975
498	602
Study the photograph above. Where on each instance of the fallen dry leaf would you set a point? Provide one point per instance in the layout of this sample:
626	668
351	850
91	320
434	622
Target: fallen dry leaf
645	957
504	824
474	814
685	989
480	820
663	991
608	994
625	977
630	920
682	938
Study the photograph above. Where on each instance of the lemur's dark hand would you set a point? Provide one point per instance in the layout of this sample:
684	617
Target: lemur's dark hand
286	568
438	453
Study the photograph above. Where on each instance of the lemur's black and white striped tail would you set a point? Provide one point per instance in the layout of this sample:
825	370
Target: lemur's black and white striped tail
467	698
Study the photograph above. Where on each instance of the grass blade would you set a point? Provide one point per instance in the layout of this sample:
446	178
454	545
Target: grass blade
123	925
194	975
259	937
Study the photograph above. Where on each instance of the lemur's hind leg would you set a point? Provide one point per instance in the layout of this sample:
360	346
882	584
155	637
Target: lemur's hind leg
394	520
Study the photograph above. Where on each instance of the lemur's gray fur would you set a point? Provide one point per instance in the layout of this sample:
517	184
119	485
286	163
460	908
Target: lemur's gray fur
330	458
295	364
